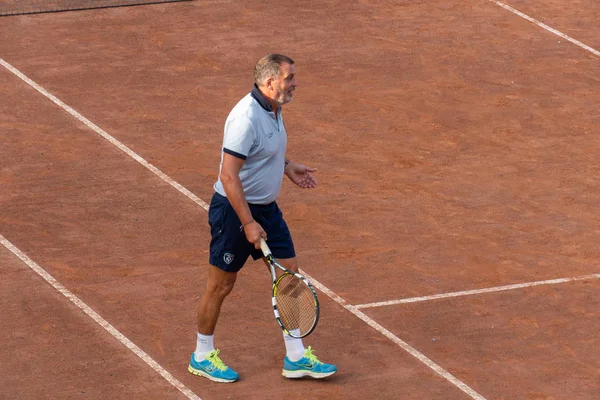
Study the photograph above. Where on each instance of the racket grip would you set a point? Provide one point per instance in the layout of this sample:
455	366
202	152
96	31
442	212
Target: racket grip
265	249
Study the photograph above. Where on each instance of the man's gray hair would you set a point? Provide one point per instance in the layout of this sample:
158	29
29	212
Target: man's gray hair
268	67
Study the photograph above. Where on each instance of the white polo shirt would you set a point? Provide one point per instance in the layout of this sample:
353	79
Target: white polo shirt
256	134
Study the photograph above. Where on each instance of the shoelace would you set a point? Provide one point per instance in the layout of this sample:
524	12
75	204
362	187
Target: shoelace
308	353
213	357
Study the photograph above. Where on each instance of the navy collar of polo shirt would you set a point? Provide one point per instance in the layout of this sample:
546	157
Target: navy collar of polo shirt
262	100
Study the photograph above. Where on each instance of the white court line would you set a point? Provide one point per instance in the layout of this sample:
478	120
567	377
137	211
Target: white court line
546	27
407	347
436	368
101	321
105	135
477	291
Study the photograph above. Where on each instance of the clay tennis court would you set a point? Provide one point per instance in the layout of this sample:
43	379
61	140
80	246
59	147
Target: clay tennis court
453	236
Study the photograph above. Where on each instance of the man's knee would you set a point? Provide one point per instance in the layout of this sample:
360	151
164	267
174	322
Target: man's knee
290	263
220	283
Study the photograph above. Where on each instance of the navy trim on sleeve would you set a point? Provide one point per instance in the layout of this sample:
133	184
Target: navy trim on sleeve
235	154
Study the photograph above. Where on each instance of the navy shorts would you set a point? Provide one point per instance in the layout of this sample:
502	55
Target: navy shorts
229	248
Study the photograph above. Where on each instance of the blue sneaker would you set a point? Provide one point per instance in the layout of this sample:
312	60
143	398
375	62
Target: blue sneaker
308	365
212	368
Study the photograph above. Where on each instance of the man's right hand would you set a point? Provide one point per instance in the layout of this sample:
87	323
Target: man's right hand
254	232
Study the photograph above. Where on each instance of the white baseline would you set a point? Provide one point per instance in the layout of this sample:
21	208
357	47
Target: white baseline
477	291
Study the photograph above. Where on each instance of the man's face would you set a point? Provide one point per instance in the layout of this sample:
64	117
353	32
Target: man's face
284	85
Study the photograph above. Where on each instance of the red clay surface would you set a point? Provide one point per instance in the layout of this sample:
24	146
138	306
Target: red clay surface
132	248
457	148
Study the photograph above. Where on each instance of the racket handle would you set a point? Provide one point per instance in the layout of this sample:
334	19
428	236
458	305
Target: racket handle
265	249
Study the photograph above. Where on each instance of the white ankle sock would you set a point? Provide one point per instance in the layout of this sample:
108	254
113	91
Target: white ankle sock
204	345
293	346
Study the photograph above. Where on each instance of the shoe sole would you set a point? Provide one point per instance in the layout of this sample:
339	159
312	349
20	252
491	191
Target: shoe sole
302	374
199	372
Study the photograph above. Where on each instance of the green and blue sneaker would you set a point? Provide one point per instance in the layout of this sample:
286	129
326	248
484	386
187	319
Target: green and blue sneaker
309	365
212	368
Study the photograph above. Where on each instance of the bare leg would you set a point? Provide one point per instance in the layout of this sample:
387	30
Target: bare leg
218	286
294	347
289	263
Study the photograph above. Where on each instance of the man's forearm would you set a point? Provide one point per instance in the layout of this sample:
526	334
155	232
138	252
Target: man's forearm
235	195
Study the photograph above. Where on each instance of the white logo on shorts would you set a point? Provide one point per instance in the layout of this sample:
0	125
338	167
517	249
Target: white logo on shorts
228	258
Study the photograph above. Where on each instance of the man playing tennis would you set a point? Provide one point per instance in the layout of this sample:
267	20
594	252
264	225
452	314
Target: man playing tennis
243	210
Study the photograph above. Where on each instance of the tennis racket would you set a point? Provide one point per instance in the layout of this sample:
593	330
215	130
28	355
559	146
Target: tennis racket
295	301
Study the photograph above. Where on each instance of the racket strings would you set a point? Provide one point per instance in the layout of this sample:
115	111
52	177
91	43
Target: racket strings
296	304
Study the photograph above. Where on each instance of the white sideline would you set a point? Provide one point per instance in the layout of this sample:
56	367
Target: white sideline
546	27
105	135
101	321
436	368
477	291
